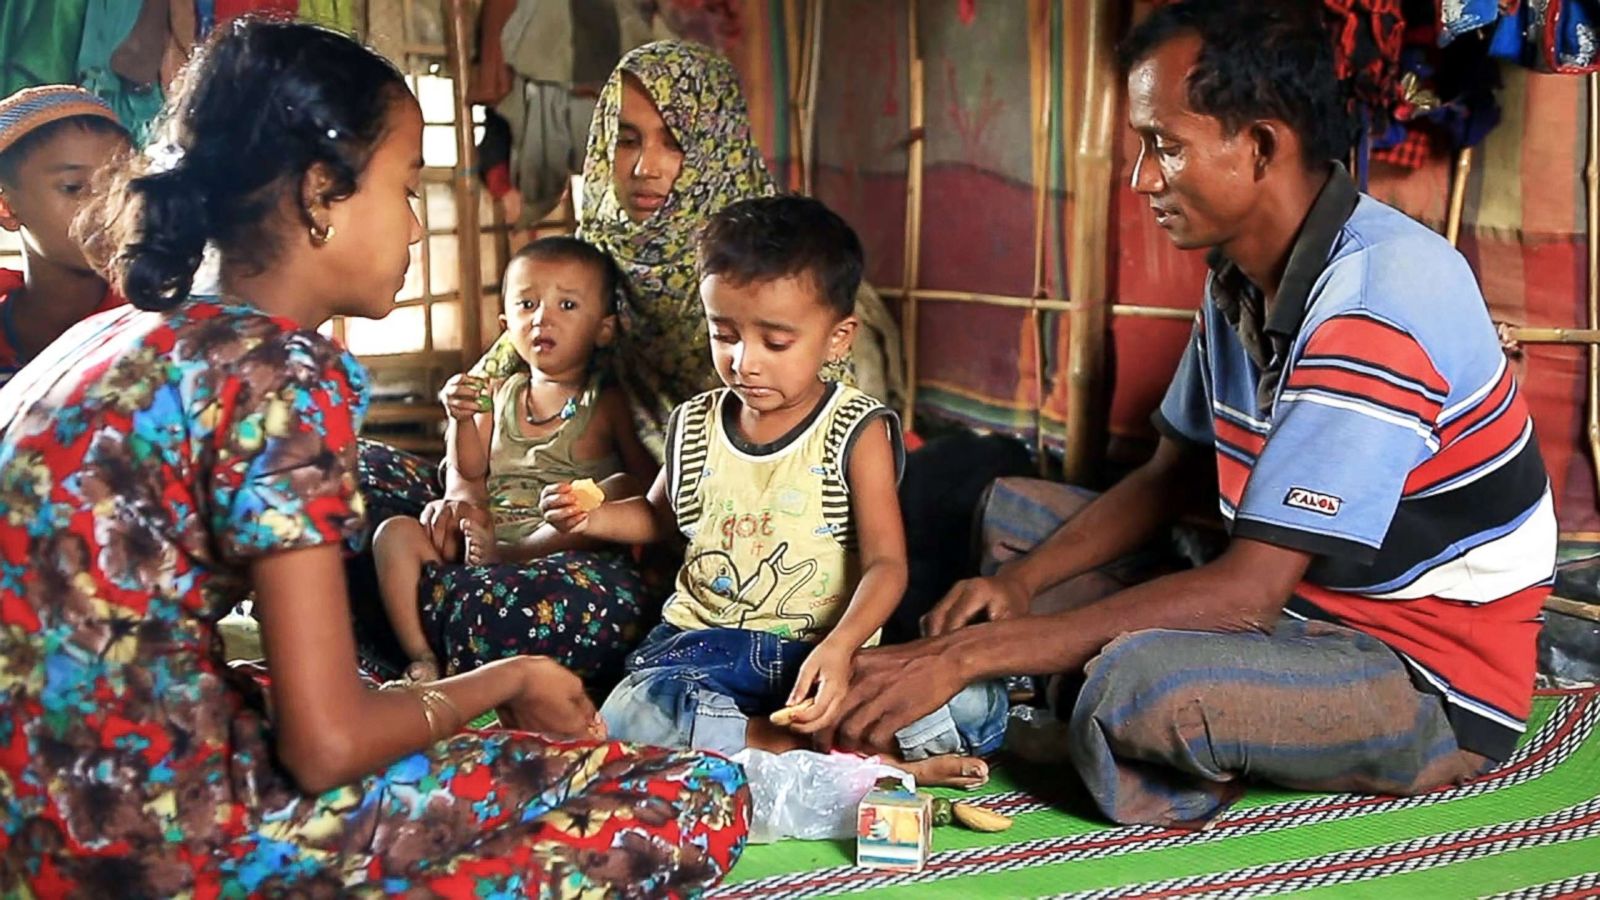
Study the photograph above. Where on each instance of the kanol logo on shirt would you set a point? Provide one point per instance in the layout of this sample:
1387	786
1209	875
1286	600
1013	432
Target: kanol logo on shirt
1302	498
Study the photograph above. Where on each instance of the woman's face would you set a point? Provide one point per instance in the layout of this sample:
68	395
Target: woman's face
647	157
375	227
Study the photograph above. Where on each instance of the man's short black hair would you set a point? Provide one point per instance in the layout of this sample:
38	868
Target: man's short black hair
1259	59
767	238
14	156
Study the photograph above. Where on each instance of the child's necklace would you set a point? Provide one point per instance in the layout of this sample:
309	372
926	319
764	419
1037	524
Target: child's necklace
567	410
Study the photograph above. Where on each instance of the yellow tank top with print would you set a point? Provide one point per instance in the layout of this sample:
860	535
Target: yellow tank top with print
772	543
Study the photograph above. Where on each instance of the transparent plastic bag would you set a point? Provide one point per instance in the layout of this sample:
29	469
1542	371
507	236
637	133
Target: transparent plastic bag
809	796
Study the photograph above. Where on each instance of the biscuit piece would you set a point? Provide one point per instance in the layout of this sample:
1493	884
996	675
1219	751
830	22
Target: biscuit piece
784	716
588	493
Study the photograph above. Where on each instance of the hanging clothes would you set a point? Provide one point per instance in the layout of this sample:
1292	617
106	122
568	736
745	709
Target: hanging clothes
107	24
1555	36
553	46
549	125
228	10
205	15
1447	100
340	15
1367	41
39	41
1458	17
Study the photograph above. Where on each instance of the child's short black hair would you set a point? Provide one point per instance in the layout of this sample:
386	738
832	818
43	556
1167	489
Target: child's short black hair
613	283
768	238
12	158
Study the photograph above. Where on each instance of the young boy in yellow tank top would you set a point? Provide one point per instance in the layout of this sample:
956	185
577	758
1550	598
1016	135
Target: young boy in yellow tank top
784	486
549	424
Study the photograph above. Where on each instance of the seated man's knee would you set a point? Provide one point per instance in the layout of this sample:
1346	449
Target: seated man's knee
1144	683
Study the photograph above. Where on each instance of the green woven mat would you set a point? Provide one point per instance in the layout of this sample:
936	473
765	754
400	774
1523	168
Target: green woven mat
1532	824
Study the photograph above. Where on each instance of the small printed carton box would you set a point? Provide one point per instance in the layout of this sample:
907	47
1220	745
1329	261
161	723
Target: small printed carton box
894	830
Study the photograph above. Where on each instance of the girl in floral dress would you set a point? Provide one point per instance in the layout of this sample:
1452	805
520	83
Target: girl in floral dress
161	462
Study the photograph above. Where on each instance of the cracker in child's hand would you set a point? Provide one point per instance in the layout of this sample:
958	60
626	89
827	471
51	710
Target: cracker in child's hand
784	716
588	494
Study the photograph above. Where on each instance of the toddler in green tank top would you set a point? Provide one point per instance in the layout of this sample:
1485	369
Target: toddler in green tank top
552	422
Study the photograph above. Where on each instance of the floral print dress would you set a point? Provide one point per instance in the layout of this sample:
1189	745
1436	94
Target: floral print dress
145	460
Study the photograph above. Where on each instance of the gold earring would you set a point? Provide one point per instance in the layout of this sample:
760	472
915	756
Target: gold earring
321	236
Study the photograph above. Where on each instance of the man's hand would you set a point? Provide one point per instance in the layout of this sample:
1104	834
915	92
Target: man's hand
993	598
891	687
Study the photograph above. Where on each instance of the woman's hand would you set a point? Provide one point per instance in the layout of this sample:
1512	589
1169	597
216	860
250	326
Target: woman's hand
552	702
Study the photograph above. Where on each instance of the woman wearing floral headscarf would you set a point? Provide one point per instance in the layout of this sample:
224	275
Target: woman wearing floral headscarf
669	146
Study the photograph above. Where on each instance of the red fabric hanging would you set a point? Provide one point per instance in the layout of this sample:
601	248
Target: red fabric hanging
228	10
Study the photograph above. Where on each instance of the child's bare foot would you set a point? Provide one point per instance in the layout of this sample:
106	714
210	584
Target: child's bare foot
479	540
423	670
966	772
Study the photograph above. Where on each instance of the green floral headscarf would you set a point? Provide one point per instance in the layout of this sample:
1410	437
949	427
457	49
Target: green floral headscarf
663	356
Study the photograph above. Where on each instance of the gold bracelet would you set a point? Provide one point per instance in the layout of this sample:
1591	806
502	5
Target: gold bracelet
427	713
436	702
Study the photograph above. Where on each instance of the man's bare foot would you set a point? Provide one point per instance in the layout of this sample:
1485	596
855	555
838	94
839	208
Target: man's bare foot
966	772
479	544
423	670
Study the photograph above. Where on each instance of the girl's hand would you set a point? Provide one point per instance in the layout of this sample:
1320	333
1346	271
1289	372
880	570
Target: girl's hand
559	504
552	701
464	396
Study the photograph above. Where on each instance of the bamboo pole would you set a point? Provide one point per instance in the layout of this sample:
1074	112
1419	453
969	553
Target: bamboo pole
1592	179
1556	335
1041	55
979	299
1135	311
808	113
458	36
1458	195
1089	259
913	246
794	74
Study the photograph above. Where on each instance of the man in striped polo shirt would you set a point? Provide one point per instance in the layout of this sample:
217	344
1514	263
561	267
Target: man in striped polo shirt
1371	625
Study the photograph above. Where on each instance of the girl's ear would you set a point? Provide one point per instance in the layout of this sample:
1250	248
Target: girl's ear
315	187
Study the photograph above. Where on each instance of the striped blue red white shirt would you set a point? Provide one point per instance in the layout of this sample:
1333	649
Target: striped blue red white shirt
1389	439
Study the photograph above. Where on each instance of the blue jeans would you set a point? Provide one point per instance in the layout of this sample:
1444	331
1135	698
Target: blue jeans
699	689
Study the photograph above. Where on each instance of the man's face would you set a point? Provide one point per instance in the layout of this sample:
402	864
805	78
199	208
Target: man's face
1200	181
50	184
